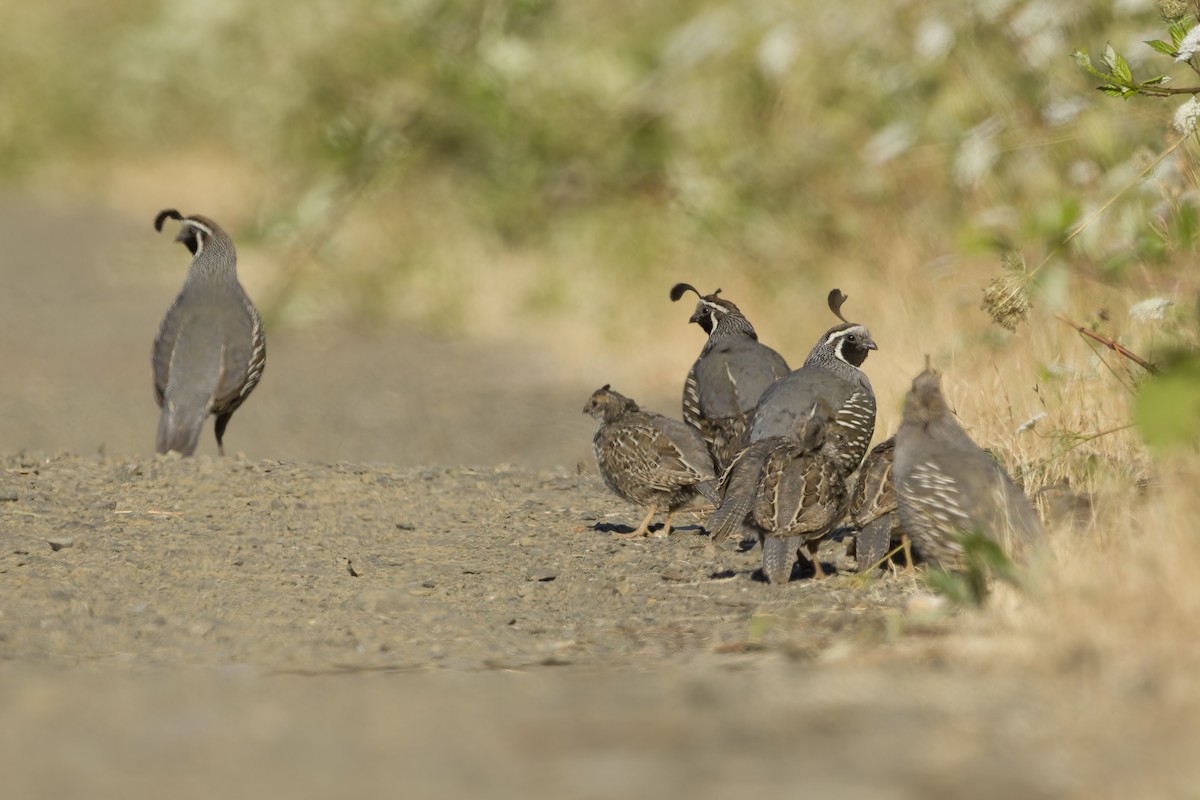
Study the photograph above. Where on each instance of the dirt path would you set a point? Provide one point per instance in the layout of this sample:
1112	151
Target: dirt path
346	620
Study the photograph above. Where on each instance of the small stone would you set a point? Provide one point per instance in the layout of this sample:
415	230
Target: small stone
541	573
8	496
675	572
61	542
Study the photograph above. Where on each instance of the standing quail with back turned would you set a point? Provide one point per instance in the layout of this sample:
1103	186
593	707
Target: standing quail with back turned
647	459
729	377
830	380
947	485
210	349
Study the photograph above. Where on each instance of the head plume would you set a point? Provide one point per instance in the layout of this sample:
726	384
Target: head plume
836	300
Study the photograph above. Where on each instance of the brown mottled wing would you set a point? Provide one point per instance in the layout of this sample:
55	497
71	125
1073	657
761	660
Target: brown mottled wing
874	492
800	494
638	459
739	487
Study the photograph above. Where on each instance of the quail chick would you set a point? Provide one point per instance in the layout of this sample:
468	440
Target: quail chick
210	350
728	378
647	459
947	485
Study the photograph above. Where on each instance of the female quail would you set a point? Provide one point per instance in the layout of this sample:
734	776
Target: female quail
210	349
947	485
729	376
646	458
799	494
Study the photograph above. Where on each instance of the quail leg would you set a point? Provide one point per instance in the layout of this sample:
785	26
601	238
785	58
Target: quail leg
819	571
906	543
644	528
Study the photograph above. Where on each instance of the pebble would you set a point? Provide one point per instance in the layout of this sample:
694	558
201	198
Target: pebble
61	542
540	573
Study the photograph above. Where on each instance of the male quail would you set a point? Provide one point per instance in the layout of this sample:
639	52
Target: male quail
210	350
799	493
947	485
873	509
829	380
729	376
646	458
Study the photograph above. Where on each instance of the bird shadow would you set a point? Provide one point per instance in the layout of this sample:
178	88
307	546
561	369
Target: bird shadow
801	570
657	528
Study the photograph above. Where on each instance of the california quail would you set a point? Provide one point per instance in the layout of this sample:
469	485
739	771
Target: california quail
947	485
831	375
729	376
210	350
799	493
873	509
831	381
646	458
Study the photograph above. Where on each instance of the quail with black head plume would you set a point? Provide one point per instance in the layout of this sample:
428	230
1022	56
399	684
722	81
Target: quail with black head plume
210	349
832	383
733	370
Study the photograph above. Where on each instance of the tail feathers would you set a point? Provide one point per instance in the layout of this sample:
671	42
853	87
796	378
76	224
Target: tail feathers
179	428
873	542
739	484
710	491
778	556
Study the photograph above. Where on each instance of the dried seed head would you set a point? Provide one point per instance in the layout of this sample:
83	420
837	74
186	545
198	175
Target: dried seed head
1006	298
1172	9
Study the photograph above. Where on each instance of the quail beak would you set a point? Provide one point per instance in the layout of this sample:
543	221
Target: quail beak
695	318
870	345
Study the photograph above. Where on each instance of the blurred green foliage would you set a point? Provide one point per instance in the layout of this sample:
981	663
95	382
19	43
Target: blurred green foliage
767	137
1167	410
984	561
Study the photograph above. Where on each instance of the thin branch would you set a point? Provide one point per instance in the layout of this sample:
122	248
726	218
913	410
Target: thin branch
1111	344
1162	91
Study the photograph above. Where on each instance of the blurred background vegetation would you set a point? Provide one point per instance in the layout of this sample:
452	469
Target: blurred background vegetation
547	169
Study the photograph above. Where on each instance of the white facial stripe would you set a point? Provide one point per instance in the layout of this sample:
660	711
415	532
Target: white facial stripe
198	226
201	231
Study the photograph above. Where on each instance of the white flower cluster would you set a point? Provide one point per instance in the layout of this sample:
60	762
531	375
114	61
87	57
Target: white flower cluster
1190	45
1148	310
1187	115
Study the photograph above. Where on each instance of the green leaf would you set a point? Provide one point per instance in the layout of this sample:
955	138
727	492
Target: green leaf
1082	58
1178	30
1163	47
1109	59
1157	80
1167	408
1114	90
1121	68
